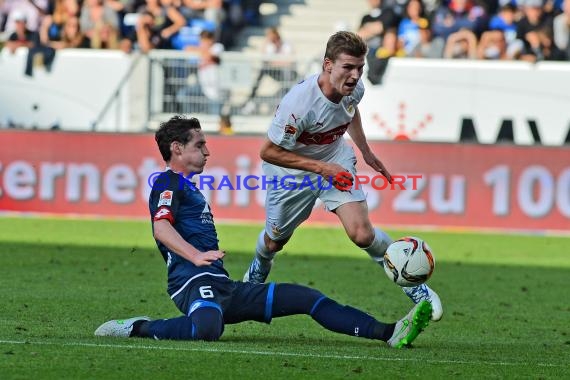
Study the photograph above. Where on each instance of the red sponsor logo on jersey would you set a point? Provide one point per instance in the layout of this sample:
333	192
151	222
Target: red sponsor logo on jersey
322	138
163	213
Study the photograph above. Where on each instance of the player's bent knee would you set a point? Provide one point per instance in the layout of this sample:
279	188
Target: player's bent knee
292	299
362	237
275	246
207	324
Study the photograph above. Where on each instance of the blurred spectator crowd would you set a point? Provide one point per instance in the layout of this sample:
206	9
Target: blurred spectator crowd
528	30
49	25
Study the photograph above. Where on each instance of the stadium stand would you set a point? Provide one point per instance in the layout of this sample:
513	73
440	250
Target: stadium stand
304	23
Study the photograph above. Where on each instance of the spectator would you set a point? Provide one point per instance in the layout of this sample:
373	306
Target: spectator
409	29
374	25
32	10
71	36
562	29
504	22
460	14
492	46
427	46
541	47
277	64
22	36
208	85
100	25
533	19
461	45
162	21
124	7
53	23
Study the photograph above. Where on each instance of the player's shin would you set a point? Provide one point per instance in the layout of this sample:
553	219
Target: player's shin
291	299
350	321
379	246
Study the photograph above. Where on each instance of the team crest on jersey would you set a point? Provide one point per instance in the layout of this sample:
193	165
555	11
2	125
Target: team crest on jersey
165	198
350	108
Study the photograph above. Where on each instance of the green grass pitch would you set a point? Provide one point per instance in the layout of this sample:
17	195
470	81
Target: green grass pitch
507	309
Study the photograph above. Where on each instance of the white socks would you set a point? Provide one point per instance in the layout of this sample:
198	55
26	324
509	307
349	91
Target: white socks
261	251
379	246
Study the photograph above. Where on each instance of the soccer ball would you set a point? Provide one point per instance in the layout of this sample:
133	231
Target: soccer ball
409	261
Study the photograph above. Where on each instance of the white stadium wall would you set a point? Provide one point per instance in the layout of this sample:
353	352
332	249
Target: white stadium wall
421	100
428	100
74	94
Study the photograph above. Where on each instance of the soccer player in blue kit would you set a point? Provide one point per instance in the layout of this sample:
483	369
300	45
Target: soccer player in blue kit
306	140
198	284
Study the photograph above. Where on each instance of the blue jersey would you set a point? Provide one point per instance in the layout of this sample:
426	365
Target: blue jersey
177	200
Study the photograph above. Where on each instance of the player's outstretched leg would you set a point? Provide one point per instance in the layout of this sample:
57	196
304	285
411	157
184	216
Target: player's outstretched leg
121	328
289	299
423	292
260	267
408	328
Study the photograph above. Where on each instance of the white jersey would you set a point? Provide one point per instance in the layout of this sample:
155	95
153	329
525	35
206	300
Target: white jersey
309	124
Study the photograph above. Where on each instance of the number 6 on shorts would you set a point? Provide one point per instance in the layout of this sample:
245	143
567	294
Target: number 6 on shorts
206	291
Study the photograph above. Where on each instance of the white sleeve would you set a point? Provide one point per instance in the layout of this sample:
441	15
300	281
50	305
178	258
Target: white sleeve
286	126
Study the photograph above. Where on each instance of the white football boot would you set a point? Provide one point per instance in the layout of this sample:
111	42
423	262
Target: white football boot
121	328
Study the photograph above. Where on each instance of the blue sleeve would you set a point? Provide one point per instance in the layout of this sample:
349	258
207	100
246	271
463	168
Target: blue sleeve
165	196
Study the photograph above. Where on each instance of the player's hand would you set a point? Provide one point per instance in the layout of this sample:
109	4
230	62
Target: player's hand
338	176
343	181
375	163
202	259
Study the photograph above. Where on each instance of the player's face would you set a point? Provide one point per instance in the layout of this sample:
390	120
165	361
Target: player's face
345	73
193	156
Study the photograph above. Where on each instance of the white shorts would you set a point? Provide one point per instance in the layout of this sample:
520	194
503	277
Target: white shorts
291	198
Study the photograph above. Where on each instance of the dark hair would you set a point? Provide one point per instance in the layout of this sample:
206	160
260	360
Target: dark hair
206	34
345	42
176	129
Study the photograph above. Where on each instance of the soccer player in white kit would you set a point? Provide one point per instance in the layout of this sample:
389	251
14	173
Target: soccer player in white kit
306	144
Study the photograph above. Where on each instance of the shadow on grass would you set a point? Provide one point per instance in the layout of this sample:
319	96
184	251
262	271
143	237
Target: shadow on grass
44	285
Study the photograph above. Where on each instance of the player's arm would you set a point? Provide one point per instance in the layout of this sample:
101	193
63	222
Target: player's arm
356	133
277	155
167	235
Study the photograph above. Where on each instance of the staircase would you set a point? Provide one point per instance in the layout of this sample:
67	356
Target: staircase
305	24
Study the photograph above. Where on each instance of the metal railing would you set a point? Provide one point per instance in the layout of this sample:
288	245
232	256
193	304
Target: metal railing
243	84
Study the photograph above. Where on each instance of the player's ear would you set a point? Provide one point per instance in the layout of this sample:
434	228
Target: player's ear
327	65
175	147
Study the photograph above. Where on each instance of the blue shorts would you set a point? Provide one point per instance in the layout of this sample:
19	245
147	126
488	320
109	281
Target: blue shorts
238	301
